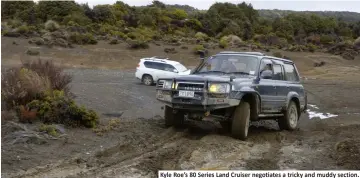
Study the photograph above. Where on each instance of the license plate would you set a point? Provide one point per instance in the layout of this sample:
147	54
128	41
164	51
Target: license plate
189	94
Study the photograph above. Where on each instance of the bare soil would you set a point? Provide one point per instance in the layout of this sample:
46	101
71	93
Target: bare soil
138	144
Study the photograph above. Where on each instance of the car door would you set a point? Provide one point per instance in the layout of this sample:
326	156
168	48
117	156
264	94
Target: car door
292	80
170	71
281	86
266	89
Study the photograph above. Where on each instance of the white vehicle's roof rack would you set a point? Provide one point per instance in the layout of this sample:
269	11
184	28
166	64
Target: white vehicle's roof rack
235	52
156	58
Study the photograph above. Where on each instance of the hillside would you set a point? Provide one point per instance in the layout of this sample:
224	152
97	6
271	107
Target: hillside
224	25
343	15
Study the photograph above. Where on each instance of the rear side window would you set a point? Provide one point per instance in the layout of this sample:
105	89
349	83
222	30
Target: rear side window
154	65
290	73
278	72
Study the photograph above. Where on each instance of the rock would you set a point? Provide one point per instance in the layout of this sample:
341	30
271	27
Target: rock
184	47
15	43
114	41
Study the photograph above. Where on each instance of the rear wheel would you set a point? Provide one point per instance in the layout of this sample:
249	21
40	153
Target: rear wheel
290	119
173	119
241	121
147	80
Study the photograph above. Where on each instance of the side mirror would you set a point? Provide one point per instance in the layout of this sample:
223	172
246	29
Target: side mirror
176	71
266	74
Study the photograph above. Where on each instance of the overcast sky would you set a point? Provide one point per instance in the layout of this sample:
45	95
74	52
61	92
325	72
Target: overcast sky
353	6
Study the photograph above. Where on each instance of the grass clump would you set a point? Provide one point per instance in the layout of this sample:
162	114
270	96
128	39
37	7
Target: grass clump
112	124
198	48
49	129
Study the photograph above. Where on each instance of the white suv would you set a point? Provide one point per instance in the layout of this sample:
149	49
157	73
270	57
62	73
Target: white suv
149	70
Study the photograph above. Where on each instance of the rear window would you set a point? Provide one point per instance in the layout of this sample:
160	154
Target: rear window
290	73
180	67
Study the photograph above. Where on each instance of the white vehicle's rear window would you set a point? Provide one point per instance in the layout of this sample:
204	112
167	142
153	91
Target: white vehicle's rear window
180	67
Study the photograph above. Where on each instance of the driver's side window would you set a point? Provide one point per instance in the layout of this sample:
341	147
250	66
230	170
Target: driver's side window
266	69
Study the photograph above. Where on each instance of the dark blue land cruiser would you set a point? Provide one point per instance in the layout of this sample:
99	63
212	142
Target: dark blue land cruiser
235	88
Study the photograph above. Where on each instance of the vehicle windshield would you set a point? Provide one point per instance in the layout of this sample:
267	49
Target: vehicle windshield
231	64
180	67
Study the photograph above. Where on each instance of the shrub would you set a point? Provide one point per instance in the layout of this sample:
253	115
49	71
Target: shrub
326	39
114	42
201	36
312	48
138	44
198	48
51	25
82	39
277	54
55	107
231	40
33	51
223	43
20	85
23	29
49	129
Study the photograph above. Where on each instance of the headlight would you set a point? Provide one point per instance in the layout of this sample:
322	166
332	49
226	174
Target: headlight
219	88
167	84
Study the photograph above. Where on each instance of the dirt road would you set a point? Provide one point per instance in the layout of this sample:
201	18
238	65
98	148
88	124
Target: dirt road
138	147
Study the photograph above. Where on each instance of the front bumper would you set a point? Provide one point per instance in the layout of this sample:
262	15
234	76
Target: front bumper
201	102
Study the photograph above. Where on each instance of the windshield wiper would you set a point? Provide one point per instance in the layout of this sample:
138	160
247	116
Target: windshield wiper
243	73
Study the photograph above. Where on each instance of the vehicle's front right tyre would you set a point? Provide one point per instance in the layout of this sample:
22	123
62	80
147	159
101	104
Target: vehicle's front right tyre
173	119
241	121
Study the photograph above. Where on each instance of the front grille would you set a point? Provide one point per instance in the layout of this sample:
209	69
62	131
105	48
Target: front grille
190	86
160	84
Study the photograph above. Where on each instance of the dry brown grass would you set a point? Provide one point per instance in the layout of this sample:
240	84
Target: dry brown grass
21	85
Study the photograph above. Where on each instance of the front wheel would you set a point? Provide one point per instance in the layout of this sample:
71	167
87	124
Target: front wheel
241	121
173	119
290	119
147	80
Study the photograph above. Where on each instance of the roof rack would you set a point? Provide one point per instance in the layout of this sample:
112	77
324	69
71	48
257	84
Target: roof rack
236	52
156	58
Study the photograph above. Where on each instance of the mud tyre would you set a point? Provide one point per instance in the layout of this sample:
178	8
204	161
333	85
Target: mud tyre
176	120
290	119
241	121
147	80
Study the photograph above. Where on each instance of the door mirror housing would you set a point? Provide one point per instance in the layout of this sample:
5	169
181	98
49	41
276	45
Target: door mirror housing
266	74
176	71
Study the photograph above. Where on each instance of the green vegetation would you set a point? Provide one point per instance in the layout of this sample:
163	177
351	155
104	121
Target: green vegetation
228	24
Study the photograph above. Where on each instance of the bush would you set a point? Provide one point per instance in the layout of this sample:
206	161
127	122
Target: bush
201	36
277	54
49	129
56	107
20	85
223	43
51	25
312	48
82	39
23	29
138	44
114	42
33	51
231	40
198	48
